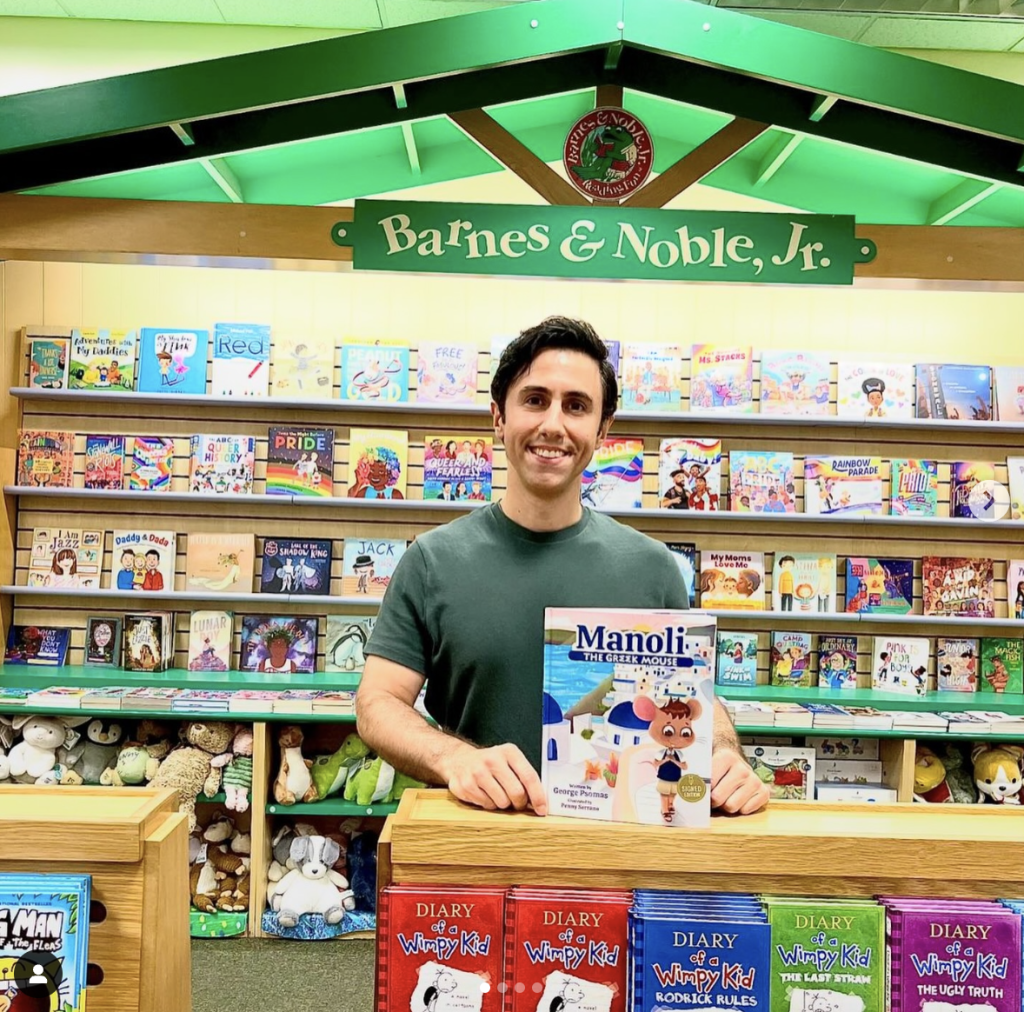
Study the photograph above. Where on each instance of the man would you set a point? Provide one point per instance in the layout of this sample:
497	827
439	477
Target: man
477	639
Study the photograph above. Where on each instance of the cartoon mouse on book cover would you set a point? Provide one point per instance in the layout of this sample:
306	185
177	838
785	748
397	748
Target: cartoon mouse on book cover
671	726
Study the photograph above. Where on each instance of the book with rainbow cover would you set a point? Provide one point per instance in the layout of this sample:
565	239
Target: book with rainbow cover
300	462
614	478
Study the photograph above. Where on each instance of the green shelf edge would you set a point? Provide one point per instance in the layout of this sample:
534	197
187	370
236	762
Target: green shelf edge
771	731
331	806
255	718
930	702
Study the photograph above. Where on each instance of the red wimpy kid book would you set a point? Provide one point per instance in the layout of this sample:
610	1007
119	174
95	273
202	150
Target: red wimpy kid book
438	946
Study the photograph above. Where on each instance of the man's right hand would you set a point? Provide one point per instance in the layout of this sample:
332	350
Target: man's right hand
496	777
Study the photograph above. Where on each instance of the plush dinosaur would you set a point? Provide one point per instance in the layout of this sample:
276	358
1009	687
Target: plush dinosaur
370	782
330	772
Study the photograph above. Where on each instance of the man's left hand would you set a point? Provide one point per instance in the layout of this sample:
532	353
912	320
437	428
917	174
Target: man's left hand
735	787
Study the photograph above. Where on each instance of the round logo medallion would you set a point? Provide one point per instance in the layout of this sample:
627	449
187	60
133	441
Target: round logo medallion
608	154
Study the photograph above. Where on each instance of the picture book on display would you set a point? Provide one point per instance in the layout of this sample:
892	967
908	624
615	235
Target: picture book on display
149	641
46	458
367	565
1002	665
837	662
440	948
1015	472
458	467
279	645
1008	392
209	640
149	463
143	560
220	563
650	377
722	378
302	368
45	646
65	558
791	659
102	360
347	635
1015	589
875	390
737	658
794	383
685	554
104	462
614	479
914	488
900	664
643	753
48	349
241	360
446	373
375	371
102	641
732	580
879	586
788	771
951	585
296	566
221	464
378	464
761	481
45	915
300	462
954	391
964	475
172	361
690	474
956	664
843	486
804	582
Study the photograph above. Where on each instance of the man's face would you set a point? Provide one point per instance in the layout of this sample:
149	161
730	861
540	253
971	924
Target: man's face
552	422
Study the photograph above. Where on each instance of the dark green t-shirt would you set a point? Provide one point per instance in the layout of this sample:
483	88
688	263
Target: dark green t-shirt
465	608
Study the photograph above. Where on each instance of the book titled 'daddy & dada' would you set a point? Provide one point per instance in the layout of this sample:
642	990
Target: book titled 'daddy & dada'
639	686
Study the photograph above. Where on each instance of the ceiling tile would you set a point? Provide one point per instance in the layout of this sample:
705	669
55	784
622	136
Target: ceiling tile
32	9
302	13
190	11
843	26
942	33
407	12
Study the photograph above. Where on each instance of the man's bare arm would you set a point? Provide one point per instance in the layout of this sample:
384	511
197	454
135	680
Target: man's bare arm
724	735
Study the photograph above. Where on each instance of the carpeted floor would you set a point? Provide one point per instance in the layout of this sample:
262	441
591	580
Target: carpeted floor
273	975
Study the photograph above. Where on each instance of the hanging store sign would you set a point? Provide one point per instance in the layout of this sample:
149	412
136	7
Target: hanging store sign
608	154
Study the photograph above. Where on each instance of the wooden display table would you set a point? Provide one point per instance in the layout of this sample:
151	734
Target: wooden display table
134	844
791	847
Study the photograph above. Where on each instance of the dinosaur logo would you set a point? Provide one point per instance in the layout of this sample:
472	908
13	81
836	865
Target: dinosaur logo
608	154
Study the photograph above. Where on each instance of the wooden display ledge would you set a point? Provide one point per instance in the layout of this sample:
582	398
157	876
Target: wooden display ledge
791	847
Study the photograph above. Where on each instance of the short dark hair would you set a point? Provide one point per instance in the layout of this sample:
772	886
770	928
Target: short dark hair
555	332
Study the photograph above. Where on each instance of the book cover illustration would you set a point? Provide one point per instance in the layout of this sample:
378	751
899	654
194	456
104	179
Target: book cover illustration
1002	665
761	481
279	645
241	360
804	582
46	458
954	391
302	368
209	640
296	566
148	641
378	464
347	636
446	373
458	467
46	646
149	463
102	360
879	586
1015	589
843	486
837	662
732	581
221	465
875	390
300	462
794	383
964	476
956	665
788	772
65	558
737	658
914	488
690	474
722	378
686	558
48	350
375	371
104	462
1015	473
102	641
367	565
651	377
220	563
900	664
46	917
1008	392
614	479
143	560
951	585
791	659
639	688
173	361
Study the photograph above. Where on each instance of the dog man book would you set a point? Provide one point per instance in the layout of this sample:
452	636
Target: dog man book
628	714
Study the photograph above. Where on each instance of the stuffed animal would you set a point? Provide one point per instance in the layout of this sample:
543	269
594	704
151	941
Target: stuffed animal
195	768
293	778
330	772
228	852
95	753
362	869
136	764
5	766
60	774
311	887
997	773
958	776
36	754
238	772
930	785
370	782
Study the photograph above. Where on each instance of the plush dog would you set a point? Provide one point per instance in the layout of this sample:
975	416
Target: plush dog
997	773
311	887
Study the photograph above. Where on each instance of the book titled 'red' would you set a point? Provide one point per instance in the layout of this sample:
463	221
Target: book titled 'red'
440	950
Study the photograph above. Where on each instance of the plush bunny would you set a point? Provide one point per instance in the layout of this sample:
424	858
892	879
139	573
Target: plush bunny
311	887
36	754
